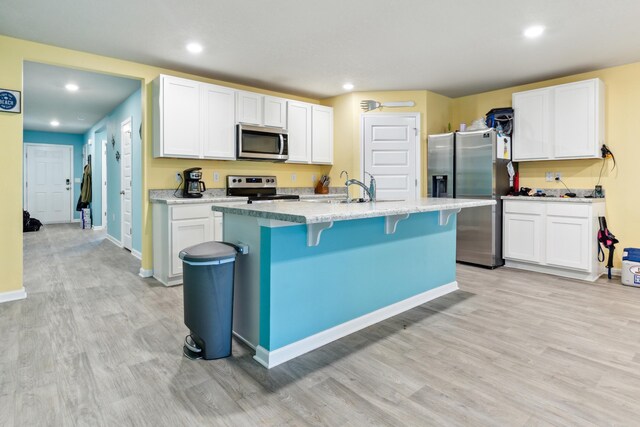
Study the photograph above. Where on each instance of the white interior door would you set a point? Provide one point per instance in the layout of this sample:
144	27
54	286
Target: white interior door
48	182
391	153
125	182
104	183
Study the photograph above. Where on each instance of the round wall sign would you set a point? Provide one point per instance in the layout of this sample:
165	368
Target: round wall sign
7	101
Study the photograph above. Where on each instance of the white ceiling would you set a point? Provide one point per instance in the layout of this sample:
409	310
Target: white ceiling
312	47
46	99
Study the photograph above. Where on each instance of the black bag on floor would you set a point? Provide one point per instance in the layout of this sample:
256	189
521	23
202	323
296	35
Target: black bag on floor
28	223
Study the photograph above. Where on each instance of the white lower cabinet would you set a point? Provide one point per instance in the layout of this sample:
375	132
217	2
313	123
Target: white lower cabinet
552	237
176	227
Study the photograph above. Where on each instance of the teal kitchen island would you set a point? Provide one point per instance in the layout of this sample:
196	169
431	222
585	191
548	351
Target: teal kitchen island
319	270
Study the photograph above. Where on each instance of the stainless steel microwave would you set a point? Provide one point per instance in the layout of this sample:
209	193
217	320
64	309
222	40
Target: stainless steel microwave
261	143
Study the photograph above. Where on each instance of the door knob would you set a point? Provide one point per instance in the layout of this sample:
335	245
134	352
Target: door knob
122	192
67	188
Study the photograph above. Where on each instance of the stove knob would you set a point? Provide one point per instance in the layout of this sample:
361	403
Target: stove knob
239	179
235	180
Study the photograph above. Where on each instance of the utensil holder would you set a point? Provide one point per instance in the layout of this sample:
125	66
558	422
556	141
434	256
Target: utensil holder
321	189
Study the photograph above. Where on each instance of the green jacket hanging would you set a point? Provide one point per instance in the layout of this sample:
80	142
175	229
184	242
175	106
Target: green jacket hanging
85	187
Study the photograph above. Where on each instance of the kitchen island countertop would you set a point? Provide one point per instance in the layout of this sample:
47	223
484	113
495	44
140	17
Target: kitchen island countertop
312	212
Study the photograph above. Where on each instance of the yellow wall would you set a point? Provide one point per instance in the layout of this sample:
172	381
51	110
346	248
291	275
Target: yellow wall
157	173
434	109
622	109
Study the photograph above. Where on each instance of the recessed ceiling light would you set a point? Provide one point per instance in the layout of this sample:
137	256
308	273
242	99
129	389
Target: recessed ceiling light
194	47
347	86
71	87
54	123
534	31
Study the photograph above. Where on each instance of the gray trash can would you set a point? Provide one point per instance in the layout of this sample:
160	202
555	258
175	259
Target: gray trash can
208	272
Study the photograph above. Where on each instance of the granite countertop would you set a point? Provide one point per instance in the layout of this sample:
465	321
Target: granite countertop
308	212
167	197
556	199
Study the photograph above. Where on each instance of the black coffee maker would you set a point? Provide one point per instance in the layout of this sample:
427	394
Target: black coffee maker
193	187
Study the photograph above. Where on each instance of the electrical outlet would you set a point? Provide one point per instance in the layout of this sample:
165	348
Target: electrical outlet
558	176
216	177
314	178
549	176
293	177
178	177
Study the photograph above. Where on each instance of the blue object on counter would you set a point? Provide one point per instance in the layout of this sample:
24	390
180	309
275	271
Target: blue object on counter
631	254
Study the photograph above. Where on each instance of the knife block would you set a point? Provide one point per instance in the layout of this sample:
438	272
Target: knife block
321	189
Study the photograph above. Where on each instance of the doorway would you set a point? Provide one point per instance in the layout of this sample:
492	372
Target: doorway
48	186
391	152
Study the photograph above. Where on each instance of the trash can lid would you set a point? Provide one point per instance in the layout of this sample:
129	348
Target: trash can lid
207	251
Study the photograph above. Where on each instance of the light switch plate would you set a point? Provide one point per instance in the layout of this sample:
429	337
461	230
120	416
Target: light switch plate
293	177
549	176
216	177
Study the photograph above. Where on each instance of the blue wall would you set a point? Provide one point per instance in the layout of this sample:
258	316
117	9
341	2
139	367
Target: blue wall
106	128
76	140
356	269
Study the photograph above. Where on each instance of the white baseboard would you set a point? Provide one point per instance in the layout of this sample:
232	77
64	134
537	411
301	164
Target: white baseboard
113	240
615	272
97	227
136	254
13	295
75	220
241	338
145	273
269	359
556	271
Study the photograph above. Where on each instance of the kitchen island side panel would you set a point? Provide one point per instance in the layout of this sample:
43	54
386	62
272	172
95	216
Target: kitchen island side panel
355	270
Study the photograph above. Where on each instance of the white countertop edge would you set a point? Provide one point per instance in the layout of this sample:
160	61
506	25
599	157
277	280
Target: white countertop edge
313	213
555	199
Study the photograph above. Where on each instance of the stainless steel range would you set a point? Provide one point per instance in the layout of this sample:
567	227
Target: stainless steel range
256	188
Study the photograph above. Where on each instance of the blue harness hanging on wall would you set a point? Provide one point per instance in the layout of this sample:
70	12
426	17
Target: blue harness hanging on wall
608	240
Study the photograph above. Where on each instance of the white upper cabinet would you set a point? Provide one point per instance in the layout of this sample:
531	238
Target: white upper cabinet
218	124
261	110
192	119
275	112
299	118
559	122
579	119
531	126
321	134
176	118
249	108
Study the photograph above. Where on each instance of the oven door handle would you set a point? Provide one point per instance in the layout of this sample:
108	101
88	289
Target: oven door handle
281	143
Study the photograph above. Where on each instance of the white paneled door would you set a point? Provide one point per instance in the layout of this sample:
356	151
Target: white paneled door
391	154
125	182
49	182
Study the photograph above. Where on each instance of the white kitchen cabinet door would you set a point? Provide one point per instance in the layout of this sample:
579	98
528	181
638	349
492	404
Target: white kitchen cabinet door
567	242
180	118
576	124
299	118
532	125
185	233
275	112
321	135
249	108
217	122
217	227
522	237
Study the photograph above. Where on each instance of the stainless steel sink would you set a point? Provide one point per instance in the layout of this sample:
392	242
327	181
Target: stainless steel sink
352	201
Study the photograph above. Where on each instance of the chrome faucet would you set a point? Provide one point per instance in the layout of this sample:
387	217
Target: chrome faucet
370	191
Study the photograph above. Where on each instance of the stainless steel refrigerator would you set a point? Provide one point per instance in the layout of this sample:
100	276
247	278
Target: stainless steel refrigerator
472	165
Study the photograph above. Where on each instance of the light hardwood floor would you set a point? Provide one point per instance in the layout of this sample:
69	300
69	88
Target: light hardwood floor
94	344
